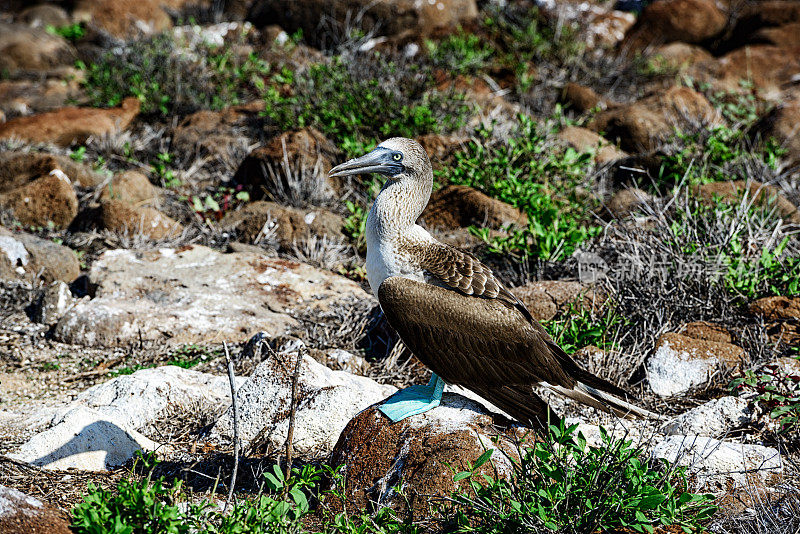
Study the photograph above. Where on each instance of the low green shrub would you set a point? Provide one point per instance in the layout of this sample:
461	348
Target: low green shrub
777	392
530	173
562	484
363	100
168	78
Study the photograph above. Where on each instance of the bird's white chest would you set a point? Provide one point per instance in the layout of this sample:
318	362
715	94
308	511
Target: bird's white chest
384	259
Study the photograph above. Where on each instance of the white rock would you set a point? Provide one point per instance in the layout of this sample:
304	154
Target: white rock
196	295
326	402
715	418
53	303
680	363
86	440
99	428
717	463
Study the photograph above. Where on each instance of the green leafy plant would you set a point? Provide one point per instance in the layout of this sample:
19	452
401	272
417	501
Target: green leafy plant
580	326
529	173
190	355
71	32
214	206
461	52
168	78
777	391
563	484
355	225
361	101
161	168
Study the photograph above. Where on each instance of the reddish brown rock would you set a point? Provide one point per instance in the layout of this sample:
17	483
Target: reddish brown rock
581	98
665	21
767	68
216	133
23	48
71	125
119	216
418	454
732	192
585	140
783	124
777	308
785	36
305	149
678	56
460	206
386	17
704	330
19	168
131	187
23	514
44	15
440	147
627	201
124	19
548	298
23	97
643	125
45	200
259	220
26	256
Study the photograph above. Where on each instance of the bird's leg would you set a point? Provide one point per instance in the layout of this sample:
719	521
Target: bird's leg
413	400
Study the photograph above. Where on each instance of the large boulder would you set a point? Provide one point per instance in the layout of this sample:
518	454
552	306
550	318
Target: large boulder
47	200
585	140
783	124
665	21
124	217
195	294
721	466
23	97
326	400
23	514
100	428
460	206
23	48
716	418
681	362
764	195
71	124
124	19
547	298
645	124
386	17
262	222
131	187
768	68
19	168
273	170
26	256
401	465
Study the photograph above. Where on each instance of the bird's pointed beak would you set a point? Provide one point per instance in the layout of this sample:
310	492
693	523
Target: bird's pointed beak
379	161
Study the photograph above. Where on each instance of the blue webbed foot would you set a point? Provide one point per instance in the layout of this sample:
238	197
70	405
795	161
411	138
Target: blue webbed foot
413	400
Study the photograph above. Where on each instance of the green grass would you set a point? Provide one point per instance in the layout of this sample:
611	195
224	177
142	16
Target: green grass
358	103
532	174
560	484
190	355
168	79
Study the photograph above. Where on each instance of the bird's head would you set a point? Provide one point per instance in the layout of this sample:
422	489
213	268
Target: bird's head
398	159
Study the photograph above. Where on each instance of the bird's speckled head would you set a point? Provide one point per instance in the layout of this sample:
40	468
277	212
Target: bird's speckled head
396	158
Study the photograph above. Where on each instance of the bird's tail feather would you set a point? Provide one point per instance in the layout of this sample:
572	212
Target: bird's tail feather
604	401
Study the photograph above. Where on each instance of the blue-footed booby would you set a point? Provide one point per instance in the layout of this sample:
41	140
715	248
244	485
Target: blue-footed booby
453	313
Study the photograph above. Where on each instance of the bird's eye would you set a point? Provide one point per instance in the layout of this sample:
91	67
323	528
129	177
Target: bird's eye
397	156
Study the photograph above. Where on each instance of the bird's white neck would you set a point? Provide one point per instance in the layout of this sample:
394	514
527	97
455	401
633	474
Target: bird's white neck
391	220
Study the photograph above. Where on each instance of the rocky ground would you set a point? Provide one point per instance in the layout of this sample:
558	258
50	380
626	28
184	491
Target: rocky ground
633	176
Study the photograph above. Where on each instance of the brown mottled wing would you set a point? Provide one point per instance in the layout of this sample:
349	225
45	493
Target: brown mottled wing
477	343
465	273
